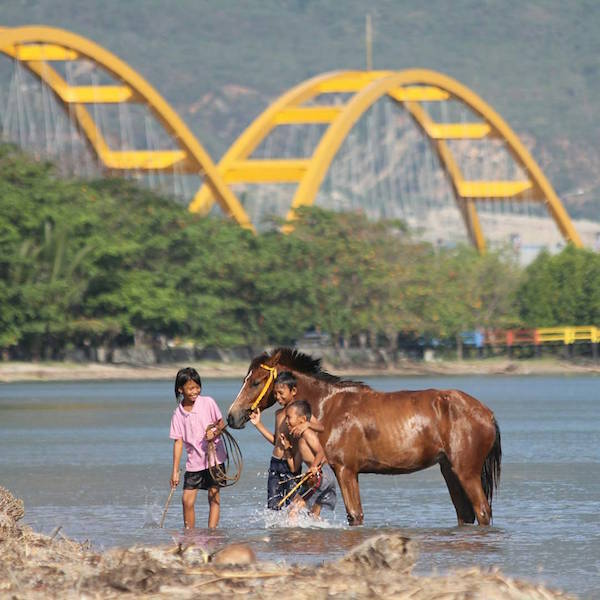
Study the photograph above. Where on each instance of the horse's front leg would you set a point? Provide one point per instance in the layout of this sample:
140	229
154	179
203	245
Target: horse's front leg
348	482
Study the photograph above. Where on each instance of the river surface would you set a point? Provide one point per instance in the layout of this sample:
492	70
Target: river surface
95	459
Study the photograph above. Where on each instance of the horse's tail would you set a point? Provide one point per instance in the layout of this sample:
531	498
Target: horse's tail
490	472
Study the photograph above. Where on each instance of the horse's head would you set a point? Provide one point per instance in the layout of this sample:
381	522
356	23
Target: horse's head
257	390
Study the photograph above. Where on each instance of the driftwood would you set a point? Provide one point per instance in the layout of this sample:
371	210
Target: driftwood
37	566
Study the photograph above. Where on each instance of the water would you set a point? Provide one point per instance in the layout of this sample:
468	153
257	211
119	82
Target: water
95	458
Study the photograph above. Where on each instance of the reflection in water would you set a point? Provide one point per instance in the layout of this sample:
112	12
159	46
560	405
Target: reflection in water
209	540
330	543
467	539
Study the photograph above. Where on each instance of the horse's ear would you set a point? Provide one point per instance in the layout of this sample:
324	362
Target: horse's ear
275	358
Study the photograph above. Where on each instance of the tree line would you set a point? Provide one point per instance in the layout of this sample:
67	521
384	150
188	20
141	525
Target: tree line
96	262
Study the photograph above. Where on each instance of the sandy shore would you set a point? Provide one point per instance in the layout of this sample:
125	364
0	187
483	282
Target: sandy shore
35	566
54	371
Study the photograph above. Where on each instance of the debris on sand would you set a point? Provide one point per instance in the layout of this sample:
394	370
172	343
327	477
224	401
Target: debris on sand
35	566
11	509
397	553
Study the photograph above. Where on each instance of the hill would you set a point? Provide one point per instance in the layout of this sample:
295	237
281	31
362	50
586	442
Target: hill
221	63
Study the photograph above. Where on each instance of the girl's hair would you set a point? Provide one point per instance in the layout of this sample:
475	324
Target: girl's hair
286	378
185	375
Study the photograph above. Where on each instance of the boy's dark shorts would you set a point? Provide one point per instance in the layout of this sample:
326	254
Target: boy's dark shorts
279	483
200	480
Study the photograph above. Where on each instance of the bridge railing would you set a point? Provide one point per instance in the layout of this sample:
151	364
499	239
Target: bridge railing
566	335
569	335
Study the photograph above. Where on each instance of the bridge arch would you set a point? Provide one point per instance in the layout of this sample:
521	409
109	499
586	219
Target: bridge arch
37	46
409	88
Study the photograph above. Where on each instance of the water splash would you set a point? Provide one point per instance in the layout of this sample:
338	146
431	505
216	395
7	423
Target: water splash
276	519
152	513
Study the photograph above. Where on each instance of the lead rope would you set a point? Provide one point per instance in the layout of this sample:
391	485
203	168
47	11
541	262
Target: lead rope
291	492
231	471
232	449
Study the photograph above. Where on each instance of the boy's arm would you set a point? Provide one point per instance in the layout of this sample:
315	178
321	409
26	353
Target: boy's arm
255	420
294	460
291	453
177	449
313	424
311	439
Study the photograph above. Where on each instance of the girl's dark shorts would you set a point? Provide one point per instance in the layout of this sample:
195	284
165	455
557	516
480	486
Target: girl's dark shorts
200	480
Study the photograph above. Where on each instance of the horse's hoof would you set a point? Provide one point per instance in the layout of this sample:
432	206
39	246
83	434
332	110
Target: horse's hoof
355	520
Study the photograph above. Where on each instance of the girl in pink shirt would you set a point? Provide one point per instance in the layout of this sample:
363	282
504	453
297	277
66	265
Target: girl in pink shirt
196	421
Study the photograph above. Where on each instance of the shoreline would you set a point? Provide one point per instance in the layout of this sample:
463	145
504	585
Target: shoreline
37	566
15	372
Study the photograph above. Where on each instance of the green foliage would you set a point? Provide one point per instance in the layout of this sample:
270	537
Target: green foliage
97	262
470	291
362	276
561	290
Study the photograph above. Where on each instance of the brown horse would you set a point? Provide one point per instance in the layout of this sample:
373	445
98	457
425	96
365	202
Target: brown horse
366	431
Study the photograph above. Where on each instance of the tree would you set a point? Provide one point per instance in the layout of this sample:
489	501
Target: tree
362	274
561	290
469	291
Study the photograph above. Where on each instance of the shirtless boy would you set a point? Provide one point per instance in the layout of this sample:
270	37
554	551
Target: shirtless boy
281	478
320	490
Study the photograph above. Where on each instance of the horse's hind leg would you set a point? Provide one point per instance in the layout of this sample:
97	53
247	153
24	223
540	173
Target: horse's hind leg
474	491
348	481
462	504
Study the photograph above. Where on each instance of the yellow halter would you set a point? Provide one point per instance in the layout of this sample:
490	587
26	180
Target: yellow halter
272	376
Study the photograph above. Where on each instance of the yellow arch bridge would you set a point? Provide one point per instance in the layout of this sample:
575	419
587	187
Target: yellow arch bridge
408	140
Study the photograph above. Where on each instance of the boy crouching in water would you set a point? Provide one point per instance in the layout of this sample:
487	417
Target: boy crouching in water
320	490
281	478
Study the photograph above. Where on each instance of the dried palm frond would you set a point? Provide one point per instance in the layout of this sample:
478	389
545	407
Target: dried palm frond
11	508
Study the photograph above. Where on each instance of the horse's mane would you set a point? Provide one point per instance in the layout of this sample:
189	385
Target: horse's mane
294	359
